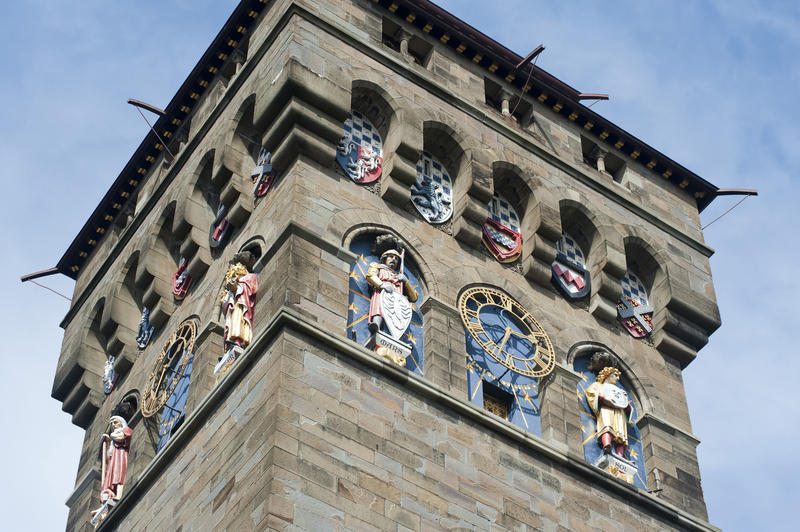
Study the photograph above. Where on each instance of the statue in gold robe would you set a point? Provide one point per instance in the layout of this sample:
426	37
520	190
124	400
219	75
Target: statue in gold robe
612	408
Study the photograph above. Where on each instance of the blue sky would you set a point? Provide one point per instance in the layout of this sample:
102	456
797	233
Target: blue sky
708	83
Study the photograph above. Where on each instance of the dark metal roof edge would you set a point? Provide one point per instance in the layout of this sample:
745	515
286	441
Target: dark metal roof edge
129	170
557	86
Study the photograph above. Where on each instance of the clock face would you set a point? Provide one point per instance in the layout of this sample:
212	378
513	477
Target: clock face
169	368
506	332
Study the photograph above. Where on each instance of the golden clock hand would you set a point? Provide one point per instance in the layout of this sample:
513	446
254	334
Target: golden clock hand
503	341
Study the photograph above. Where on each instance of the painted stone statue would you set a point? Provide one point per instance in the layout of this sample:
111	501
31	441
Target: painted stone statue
114	464
611	406
391	295
238	300
109	375
145	331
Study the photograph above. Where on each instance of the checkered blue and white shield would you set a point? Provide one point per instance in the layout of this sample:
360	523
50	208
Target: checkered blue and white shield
432	193
360	151
567	245
633	289
569	270
501	233
634	309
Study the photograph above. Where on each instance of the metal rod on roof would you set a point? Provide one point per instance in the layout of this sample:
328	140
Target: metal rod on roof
36	275
592	96
141	105
536	51
152	108
736	192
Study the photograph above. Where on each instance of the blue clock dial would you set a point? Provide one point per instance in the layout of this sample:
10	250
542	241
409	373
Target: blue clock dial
507	332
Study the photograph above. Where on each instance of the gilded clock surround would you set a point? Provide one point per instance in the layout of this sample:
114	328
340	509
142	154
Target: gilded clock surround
539	364
160	385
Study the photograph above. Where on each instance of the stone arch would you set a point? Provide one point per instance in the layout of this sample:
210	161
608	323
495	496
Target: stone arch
445	143
235	159
196	210
643	258
508	182
376	104
632	374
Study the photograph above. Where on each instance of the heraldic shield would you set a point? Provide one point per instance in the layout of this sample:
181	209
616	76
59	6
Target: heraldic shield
432	192
360	151
634	311
263	174
501	234
569	272
396	313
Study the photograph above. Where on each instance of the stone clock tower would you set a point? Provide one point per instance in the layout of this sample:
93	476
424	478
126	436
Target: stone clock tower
373	270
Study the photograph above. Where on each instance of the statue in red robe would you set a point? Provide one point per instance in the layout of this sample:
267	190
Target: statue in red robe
114	459
238	302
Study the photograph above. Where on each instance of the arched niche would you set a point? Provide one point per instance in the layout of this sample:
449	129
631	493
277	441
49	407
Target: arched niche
643	287
362	245
582	361
510	221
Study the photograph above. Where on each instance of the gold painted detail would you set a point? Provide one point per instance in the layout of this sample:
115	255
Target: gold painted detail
684	183
411	17
391	356
493	67
477	58
615	471
635	154
393	7
510	78
619	144
539	361
241	29
253	13
167	370
203	83
150	159
461	48
444	38
604	135
495	406
558	106
427	28
588	126
573	115
651	164
667	174
542	97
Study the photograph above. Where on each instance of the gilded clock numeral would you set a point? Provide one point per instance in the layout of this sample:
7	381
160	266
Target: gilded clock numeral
536	364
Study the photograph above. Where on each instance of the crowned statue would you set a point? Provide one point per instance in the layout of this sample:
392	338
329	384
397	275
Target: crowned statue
238	300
